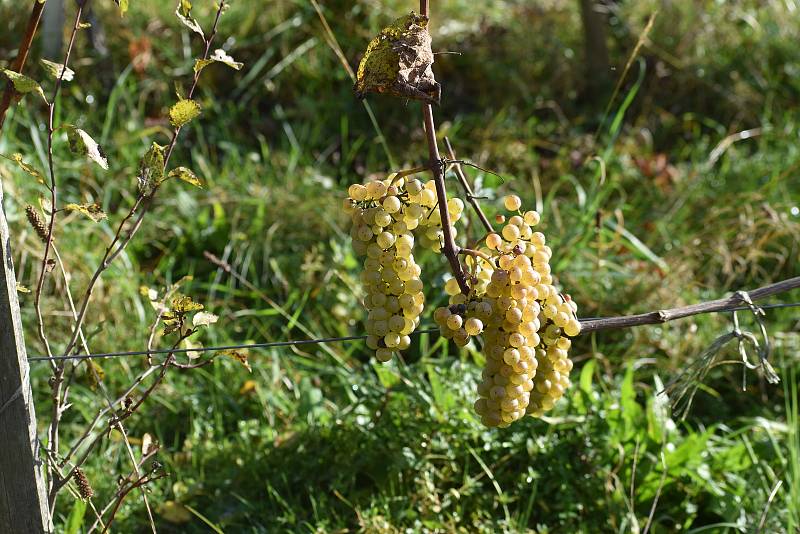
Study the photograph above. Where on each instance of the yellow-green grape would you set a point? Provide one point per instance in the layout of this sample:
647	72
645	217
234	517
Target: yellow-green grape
526	323
512	202
383	212
473	326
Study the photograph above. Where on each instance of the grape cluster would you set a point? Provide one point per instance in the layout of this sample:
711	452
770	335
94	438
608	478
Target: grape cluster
526	323
384	213
430	226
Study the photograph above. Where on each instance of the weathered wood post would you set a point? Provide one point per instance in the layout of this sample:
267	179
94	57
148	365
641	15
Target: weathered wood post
23	497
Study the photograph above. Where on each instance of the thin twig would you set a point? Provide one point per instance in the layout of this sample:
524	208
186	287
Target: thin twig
57	390
22	56
462	179
119	243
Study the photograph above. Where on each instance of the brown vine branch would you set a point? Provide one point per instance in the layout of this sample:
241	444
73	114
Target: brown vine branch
671	314
120	242
22	56
449	247
462	179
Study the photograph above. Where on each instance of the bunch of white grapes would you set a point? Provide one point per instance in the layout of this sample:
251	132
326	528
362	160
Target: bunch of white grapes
526	323
384	213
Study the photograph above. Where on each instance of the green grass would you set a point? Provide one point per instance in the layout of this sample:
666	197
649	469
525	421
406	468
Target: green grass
321	439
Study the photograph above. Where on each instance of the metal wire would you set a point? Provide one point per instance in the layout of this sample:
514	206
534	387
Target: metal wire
271	344
267	345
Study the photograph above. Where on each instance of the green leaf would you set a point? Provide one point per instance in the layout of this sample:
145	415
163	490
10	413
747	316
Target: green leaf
219	56
182	173
204	319
183	111
184	14
92	211
23	84
81	143
17	158
75	521
151	169
56	69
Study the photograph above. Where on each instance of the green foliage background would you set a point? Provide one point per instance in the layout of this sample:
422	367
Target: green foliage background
643	207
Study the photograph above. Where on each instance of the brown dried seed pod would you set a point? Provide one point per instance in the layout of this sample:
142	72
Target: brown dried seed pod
84	488
36	223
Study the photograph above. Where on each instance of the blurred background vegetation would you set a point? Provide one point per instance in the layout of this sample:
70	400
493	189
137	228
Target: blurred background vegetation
650	199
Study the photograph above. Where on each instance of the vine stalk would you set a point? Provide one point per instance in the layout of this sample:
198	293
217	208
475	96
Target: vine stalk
449	247
22	56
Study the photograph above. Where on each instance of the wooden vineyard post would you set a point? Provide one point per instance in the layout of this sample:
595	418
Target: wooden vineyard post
23	497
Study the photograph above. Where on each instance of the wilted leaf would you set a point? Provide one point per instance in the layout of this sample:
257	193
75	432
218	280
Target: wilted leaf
92	211
23	84
219	56
55	70
174	512
204	319
398	62
183	111
182	304
22	289
94	373
182	173
81	143
17	158
84	25
151	169
240	355
184	14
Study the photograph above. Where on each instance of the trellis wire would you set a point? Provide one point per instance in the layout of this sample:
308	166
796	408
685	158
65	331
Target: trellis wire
292	343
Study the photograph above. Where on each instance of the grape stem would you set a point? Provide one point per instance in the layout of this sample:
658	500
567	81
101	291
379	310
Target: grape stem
449	247
462	179
475	253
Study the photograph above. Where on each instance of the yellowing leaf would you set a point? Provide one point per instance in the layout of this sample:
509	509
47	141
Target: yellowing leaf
123	6
57	70
17	158
219	56
182	173
204	319
182	304
81	143
183	111
151	169
239	355
92	211
22	289
249	386
23	84
174	512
